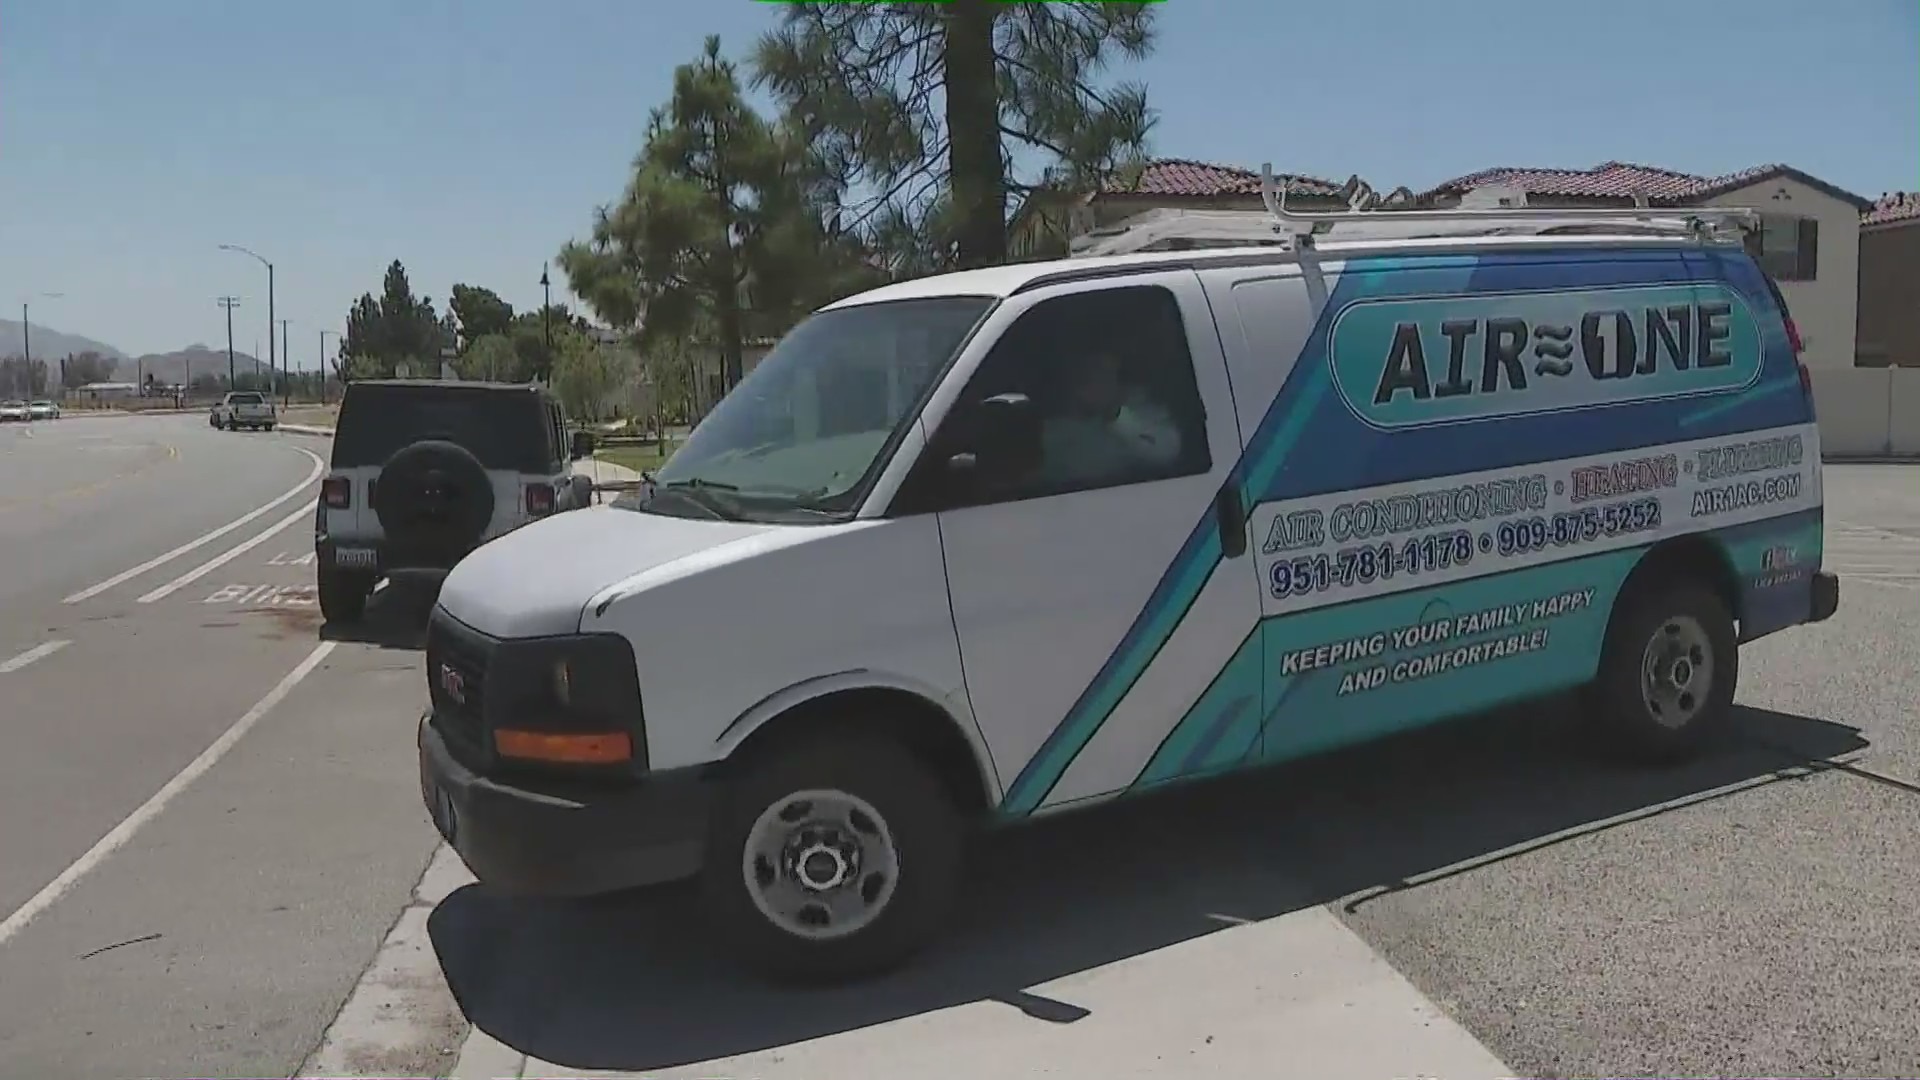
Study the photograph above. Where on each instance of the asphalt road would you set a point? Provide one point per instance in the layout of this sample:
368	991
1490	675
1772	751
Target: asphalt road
1749	915
190	883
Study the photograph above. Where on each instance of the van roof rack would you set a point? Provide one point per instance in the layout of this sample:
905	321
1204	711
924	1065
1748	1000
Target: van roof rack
1368	217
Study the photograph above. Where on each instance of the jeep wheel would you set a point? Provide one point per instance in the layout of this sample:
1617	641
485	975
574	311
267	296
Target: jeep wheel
833	859
1667	671
343	595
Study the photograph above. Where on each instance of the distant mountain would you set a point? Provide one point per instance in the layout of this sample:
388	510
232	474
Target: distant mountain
179	366
49	343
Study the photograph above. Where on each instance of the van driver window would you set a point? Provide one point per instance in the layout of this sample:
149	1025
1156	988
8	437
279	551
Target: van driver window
1111	380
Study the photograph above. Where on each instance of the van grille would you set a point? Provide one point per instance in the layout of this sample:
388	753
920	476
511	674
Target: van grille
457	661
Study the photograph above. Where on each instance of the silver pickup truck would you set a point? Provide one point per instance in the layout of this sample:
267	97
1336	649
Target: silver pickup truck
243	409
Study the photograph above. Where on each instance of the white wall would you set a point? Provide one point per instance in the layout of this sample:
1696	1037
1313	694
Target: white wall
1826	308
1868	412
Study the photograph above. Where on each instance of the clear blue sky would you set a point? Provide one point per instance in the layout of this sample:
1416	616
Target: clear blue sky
470	138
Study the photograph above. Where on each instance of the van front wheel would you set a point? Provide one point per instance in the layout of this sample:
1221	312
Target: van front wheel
1667	672
831	860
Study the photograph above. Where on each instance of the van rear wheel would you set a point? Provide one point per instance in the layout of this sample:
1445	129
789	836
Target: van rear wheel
831	860
1668	671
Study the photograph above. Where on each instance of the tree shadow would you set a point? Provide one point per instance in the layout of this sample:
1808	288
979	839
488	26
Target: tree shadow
621	983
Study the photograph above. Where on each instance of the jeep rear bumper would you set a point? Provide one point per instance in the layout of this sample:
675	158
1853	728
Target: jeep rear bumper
377	559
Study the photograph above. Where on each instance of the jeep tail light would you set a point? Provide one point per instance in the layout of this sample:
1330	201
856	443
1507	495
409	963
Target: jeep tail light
539	500
337	491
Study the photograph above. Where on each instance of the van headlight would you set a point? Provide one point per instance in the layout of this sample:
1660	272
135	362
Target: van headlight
568	700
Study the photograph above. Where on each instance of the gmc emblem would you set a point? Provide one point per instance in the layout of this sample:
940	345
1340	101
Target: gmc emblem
453	683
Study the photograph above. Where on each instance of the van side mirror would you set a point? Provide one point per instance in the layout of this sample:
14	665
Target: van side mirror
583	443
1000	439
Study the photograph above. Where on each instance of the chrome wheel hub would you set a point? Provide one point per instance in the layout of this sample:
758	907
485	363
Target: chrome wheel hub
820	864
1676	671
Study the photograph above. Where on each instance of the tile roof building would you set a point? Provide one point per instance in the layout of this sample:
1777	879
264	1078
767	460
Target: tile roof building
1889	330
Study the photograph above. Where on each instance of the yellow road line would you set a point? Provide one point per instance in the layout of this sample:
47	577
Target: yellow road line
172	454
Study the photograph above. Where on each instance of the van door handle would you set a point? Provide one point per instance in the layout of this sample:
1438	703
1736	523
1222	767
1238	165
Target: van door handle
1231	511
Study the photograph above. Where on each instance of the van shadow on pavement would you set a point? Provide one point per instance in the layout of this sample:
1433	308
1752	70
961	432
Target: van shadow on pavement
621	983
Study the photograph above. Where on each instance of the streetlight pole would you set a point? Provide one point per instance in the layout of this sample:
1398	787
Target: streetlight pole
286	361
270	353
229	302
546	316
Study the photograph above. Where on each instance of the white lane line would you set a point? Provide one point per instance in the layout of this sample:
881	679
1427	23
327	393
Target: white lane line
92	591
38	652
147	811
224	558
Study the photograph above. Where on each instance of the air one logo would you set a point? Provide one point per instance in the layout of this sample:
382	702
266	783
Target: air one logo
1683	336
1412	361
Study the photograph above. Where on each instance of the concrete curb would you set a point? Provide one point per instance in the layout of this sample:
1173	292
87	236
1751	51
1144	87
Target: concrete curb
483	1057
402	1006
306	429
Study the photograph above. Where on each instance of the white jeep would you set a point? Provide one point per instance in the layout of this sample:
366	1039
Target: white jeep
425	471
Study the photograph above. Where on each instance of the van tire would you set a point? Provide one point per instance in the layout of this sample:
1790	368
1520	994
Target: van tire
913	810
1668	671
343	596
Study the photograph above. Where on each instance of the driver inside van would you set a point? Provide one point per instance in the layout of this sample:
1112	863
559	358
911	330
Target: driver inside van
1108	431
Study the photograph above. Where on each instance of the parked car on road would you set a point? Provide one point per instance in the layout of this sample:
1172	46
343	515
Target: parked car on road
14	410
43	410
425	471
243	409
972	549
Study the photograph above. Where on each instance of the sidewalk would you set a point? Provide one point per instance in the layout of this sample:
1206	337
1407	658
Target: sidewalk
1296	995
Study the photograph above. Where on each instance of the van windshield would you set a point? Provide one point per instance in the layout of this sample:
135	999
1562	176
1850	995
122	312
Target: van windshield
801	436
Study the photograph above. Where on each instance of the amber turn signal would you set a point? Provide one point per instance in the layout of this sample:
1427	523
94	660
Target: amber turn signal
607	748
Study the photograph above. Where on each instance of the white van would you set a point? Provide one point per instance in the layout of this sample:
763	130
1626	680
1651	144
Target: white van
999	543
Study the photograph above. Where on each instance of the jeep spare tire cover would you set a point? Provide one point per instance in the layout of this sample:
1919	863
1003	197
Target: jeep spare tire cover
434	494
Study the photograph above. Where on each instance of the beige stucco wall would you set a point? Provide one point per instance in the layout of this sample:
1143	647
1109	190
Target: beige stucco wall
1826	308
1868	411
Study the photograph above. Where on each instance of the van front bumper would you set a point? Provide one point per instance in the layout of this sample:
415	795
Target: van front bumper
588	841
1826	596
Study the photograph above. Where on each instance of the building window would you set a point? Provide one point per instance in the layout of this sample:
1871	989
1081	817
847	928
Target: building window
1787	248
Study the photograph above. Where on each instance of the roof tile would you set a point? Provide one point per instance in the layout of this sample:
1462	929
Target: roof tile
1181	178
1899	206
1625	179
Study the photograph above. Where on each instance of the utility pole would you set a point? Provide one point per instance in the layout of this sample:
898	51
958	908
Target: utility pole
229	303
26	345
323	363
286	362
